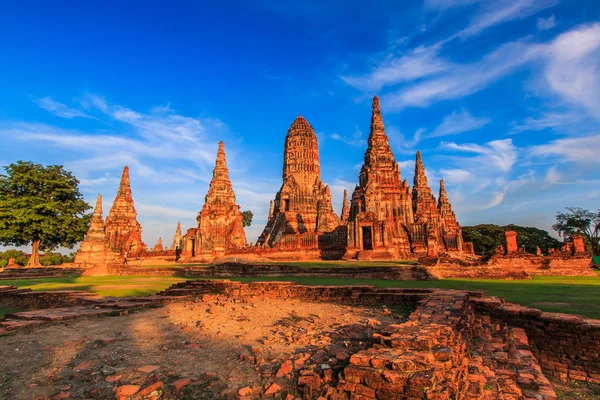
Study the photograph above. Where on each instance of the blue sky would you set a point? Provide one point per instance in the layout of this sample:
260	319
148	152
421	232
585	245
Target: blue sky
501	97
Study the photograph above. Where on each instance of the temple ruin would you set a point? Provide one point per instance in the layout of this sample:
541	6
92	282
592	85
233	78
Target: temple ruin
122	229
95	250
220	222
302	211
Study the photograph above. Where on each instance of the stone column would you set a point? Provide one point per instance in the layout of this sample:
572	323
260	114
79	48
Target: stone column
511	242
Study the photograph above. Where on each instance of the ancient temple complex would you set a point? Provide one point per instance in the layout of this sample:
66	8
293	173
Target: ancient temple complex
302	210
220	222
123	231
94	250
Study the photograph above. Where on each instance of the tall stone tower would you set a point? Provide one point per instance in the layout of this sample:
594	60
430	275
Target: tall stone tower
450	228
303	204
345	208
123	230
425	233
177	238
220	222
381	203
94	250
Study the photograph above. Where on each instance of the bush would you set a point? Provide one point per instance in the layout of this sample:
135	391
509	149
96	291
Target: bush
51	259
19	256
69	258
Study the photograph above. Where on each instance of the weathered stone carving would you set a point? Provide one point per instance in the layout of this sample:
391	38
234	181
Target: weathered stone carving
122	229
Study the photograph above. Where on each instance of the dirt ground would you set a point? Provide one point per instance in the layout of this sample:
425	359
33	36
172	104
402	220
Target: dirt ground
192	350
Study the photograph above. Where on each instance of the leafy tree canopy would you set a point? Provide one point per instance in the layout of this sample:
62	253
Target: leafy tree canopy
579	221
41	205
487	237
247	215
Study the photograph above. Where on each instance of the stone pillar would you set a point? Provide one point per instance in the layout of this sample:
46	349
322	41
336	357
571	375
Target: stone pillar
578	245
511	242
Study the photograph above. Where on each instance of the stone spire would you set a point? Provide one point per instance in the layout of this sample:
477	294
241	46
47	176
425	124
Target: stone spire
177	238
381	204
123	230
220	189
450	225
220	222
424	203
158	246
345	207
97	222
94	249
420	180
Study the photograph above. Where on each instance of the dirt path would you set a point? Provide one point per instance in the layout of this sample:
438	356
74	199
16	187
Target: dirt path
195	350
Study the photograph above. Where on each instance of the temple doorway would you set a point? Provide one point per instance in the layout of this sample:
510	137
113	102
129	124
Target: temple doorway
367	238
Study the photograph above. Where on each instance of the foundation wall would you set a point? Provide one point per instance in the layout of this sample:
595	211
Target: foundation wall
566	346
403	273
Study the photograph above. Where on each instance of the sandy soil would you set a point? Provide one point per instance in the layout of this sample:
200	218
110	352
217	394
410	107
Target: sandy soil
196	350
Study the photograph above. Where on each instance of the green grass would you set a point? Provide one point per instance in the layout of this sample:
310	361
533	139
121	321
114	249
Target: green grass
117	286
572	295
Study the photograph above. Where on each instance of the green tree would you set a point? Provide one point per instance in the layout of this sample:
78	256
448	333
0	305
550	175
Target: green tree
42	206
583	222
19	256
487	237
247	215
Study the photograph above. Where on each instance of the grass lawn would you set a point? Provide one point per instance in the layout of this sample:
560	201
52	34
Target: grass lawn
573	295
117	286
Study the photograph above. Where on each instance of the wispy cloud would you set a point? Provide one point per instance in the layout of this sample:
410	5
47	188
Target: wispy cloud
60	109
418	63
545	24
357	138
464	79
547	120
492	13
459	122
501	154
580	150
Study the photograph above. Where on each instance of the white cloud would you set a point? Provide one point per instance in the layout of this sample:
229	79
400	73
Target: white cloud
572	68
582	149
357	138
544	24
547	120
60	109
492	13
418	63
500	154
457	175
459	122
464	79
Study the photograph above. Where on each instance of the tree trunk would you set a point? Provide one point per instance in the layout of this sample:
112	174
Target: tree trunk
34	260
